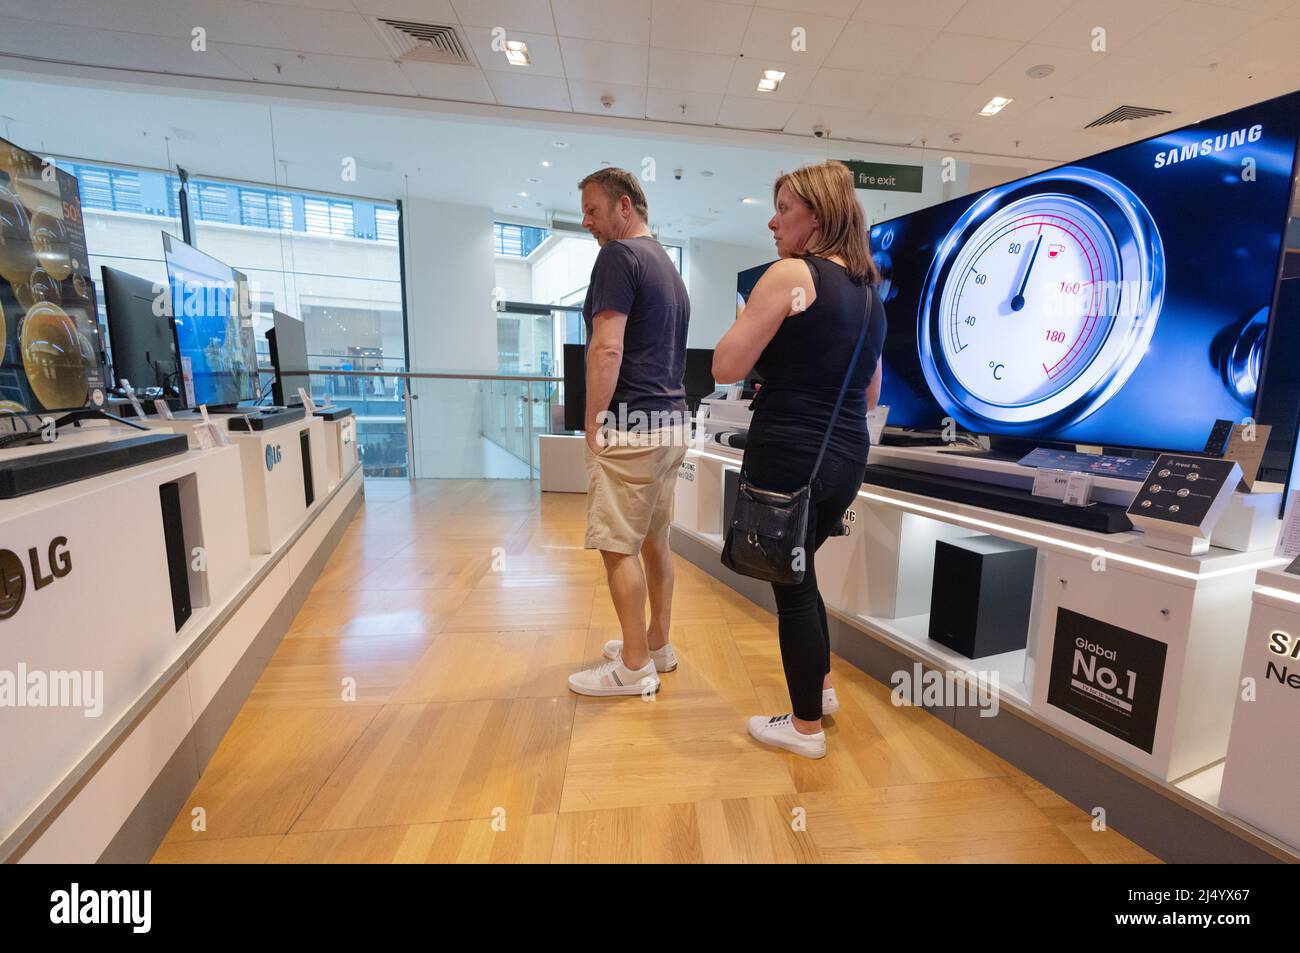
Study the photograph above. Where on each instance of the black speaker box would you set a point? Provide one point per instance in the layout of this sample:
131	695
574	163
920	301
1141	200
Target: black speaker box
980	597
304	439
730	490
169	495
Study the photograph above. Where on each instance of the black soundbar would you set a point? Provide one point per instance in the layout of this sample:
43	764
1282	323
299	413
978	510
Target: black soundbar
908	438
41	471
333	413
1098	517
266	419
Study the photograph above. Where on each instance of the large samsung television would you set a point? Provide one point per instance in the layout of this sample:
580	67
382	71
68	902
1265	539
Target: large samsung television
288	343
1120	300
140	334
211	343
53	357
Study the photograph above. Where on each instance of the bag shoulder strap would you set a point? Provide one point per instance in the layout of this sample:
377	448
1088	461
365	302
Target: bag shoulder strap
839	400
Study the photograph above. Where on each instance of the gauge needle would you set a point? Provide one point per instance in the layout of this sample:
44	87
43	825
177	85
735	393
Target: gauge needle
1018	301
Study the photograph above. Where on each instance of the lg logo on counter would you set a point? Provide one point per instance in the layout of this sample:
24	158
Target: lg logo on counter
13	574
272	456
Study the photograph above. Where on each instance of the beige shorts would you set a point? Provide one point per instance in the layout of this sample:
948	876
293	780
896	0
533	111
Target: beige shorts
630	489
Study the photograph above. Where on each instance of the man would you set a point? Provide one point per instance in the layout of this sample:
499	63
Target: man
636	425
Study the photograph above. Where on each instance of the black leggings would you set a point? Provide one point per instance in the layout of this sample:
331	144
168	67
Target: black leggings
801	614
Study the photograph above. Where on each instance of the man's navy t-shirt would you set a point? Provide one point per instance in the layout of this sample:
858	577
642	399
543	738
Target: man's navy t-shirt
635	276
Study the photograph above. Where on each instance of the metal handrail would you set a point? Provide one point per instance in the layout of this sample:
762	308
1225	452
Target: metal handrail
429	375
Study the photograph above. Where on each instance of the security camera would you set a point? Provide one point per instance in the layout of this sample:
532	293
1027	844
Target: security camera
821	132
677	174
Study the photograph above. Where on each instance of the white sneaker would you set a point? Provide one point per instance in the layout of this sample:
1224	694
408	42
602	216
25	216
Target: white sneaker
830	704
614	678
779	732
665	658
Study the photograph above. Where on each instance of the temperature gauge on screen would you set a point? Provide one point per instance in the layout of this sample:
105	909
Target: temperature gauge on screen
1041	301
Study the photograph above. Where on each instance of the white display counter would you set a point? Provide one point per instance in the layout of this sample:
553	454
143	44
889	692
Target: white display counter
96	621
1261	775
340	448
562	464
1147	643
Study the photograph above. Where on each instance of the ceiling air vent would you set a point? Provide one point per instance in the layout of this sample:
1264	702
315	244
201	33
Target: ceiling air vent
1125	114
423	42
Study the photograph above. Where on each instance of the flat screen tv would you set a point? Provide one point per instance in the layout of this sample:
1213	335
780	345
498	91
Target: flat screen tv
53	357
1120	300
288	340
140	333
575	386
216	369
698	379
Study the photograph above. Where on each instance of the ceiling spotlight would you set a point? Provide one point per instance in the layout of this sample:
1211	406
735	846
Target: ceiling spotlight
707	174
514	206
749	201
1041	71
517	53
534	179
559	144
523	195
995	106
771	80
546	163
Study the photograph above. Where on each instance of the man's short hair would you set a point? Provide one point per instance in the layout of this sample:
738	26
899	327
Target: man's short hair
618	183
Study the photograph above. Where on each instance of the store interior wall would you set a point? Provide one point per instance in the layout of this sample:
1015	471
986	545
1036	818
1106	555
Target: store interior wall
711	269
451	324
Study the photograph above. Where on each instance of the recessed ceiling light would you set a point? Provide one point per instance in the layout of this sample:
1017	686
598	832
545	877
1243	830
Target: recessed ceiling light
749	201
1041	71
707	174
534	179
995	106
775	75
517	53
546	163
559	144
767	85
514	206
523	195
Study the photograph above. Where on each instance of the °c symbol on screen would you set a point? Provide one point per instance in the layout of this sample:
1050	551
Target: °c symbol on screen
997	370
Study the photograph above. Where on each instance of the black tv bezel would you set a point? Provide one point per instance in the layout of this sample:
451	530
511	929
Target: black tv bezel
279	395
105	272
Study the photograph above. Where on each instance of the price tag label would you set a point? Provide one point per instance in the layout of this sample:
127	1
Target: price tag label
135	401
1051	484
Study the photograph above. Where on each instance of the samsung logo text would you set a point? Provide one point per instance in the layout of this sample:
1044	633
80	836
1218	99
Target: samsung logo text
1209	146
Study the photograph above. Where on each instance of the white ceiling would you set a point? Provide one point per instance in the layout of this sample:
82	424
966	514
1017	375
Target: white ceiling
881	71
287	87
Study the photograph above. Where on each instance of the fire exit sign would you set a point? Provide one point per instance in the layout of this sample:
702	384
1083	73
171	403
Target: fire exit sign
885	176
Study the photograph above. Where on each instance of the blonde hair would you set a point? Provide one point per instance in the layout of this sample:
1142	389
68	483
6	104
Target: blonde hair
827	189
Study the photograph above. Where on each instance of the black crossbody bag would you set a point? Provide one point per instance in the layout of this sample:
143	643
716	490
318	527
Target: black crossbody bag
768	526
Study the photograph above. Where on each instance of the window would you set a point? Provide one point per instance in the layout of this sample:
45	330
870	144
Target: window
517	241
262	209
329	260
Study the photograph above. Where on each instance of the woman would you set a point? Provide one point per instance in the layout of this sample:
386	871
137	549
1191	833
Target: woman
798	331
